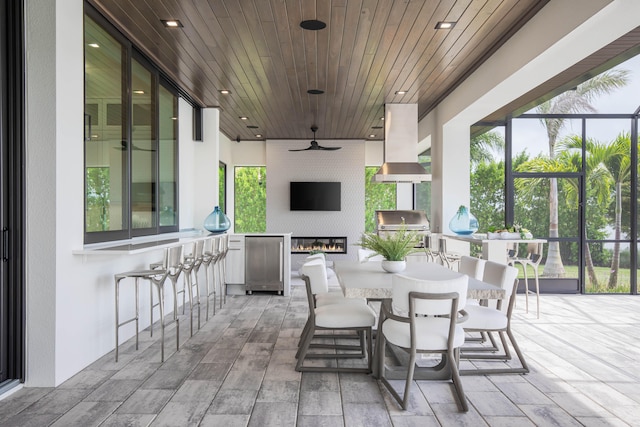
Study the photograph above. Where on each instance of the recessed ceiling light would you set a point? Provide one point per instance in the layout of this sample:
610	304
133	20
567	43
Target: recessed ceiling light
171	23
382	118
372	136
224	91
174	118
445	25
96	45
244	118
138	92
258	135
252	127
315	92
313	25
401	92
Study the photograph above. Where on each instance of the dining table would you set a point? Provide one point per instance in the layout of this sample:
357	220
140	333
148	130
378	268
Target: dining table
368	280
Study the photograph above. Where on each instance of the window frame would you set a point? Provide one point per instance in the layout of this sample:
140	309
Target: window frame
158	80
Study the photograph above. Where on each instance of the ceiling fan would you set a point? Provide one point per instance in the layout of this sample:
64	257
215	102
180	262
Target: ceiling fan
123	147
314	144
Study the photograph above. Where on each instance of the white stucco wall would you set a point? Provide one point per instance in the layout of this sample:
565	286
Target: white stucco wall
70	298
345	166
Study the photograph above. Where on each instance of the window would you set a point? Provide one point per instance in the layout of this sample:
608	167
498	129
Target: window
377	196
130	140
250	215
422	191
222	187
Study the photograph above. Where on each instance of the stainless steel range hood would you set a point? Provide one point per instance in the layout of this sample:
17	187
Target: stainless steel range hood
401	146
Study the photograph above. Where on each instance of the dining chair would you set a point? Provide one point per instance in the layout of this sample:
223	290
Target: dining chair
367	255
497	319
424	316
337	317
473	267
316	270
532	259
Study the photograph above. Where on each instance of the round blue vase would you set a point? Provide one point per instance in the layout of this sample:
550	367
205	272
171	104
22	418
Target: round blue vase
463	222
217	221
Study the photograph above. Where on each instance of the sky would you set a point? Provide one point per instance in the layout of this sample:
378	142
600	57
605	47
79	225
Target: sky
530	134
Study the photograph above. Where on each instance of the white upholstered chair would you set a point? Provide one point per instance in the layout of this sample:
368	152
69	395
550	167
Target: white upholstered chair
337	314
423	317
472	266
495	318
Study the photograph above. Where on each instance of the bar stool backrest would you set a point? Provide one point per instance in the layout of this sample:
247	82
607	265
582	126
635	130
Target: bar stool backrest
174	258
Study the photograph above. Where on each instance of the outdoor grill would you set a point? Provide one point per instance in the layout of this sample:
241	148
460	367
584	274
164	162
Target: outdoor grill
391	221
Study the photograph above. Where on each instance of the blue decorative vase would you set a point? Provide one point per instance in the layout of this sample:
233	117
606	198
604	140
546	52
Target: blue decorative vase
463	222
217	221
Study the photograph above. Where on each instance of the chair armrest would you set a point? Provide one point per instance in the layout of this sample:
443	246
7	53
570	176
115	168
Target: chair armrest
387	312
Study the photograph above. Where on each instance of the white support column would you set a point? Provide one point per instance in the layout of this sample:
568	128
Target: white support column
205	167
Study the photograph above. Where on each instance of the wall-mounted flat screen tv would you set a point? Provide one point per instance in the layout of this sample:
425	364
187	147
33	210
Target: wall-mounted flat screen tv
315	196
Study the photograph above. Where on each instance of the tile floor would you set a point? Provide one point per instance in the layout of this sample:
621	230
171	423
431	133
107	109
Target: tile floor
237	370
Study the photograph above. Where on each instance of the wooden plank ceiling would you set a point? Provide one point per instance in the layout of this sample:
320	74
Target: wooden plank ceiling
369	50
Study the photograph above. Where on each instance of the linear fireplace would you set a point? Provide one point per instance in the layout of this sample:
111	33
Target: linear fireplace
304	245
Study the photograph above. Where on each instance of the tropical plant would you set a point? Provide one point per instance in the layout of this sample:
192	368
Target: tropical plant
378	196
484	146
392	246
572	101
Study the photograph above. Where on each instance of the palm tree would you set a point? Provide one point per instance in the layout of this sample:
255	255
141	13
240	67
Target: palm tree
484	146
572	101
618	163
599	179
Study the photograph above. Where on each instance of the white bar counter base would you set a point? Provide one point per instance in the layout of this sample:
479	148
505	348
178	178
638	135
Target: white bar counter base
492	249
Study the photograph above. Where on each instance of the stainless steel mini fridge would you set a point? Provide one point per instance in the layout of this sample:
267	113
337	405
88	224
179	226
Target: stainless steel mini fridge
264	263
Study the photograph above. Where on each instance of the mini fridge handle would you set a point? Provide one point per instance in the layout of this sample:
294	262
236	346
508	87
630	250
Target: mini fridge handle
280	263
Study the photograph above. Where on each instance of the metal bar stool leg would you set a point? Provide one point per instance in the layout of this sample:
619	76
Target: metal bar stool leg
136	318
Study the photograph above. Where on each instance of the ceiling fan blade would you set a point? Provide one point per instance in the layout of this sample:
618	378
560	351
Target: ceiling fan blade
329	148
123	147
302	149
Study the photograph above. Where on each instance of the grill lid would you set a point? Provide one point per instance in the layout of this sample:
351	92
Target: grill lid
392	220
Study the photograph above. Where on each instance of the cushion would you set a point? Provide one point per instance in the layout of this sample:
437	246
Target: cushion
337	298
431	333
340	316
484	318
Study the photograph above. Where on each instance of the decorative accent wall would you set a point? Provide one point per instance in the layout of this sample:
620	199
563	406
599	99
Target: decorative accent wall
345	166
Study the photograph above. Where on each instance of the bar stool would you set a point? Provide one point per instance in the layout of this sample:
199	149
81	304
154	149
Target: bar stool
223	247
174	264
449	259
533	258
191	266
209	258
157	278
